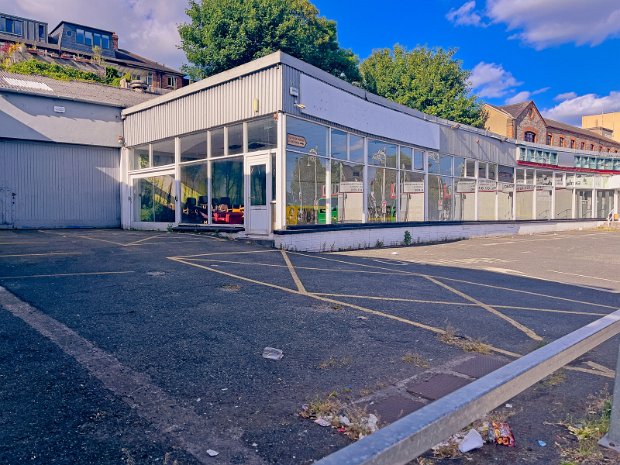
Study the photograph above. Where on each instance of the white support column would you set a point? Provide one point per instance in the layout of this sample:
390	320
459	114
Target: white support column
328	180
125	190
281	172
366	183
209	175
178	209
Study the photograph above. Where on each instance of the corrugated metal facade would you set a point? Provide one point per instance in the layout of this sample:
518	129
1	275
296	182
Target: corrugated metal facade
222	104
61	185
467	143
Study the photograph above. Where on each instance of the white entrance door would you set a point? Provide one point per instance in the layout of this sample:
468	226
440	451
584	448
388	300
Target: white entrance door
7	207
258	194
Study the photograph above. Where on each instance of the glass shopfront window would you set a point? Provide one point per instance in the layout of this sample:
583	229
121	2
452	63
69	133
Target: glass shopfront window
584	203
262	134
194	147
459	167
306	137
418	160
411	196
163	153
154	199
194	193
465	199
140	158
227	188
339	145
406	158
217	142
347	192
305	189
604	203
440	198
235	139
382	154
382	195
357	152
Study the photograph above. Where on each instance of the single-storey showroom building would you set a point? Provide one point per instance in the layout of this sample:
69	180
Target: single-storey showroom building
279	149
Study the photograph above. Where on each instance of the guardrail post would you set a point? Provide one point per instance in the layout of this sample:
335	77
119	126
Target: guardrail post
612	439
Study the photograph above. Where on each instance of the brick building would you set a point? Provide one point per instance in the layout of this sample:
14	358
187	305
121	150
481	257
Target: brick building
523	121
84	48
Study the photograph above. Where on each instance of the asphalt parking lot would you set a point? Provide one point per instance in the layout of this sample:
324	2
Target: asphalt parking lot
140	347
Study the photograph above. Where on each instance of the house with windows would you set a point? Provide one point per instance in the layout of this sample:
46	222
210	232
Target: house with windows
86	48
523	121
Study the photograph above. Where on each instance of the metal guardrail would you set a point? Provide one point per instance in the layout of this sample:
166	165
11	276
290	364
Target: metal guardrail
413	435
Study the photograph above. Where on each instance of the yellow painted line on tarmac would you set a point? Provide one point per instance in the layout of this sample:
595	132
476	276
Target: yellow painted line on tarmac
396	299
524	329
63	275
604	374
345	304
601	368
585	276
227	253
39	254
143	240
100	240
20	243
538	294
294	275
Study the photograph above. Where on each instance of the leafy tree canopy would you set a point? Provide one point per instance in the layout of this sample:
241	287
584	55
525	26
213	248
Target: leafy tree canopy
223	34
429	80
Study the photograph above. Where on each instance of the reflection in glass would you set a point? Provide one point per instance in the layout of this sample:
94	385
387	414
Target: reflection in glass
418	160
439	198
339	144
411	196
584	204
262	134
347	192
227	191
235	139
382	195
140	157
604	203
194	193
163	153
154	199
459	167
303	136
382	154
406	158
258	185
217	142
356	148
305	189
194	147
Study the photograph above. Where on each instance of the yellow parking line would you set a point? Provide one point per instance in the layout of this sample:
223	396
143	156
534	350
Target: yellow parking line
62	275
142	240
291	268
345	304
39	254
226	253
20	243
459	281
396	299
524	329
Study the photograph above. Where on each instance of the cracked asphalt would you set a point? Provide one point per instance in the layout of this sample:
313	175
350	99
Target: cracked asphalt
141	347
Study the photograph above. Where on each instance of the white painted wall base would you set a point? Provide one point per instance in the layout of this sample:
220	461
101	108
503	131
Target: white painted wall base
352	239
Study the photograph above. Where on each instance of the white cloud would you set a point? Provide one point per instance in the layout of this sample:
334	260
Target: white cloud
465	15
518	98
565	96
545	23
145	27
571	110
491	80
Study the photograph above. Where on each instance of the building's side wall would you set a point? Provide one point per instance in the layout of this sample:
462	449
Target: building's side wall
607	120
498	122
531	121
222	104
56	120
60	185
600	144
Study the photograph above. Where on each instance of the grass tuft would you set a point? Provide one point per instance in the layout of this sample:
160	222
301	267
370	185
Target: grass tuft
462	342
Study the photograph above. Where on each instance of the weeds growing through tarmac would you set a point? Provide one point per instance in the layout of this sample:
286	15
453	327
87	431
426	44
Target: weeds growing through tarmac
462	342
415	359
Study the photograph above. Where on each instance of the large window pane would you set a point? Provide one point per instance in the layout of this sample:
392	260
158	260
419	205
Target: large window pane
433	163
505	195
445	162
339	144
465	199
439	198
382	195
347	192
412	196
505	174
418	160
459	167
262	134
604	203
154	199
235	139
406	158
163	152
194	193
217	142
382	154
487	192
140	157
227	191
584	204
194	147
303	136
356	148
305	186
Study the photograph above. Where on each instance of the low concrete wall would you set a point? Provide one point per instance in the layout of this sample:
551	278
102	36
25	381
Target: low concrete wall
362	238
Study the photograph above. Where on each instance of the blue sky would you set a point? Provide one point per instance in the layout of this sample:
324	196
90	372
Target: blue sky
564	54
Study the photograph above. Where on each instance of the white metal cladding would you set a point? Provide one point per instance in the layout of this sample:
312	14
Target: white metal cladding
222	104
467	143
61	185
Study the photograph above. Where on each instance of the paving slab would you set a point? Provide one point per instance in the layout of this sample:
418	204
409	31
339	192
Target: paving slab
437	386
392	408
480	366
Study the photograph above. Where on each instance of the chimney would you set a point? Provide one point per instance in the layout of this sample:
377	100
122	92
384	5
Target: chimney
114	41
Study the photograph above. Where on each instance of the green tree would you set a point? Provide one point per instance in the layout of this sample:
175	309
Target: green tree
429	80
223	34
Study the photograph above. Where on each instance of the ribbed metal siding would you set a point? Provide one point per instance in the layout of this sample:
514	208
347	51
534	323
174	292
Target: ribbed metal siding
222	104
463	143
59	185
